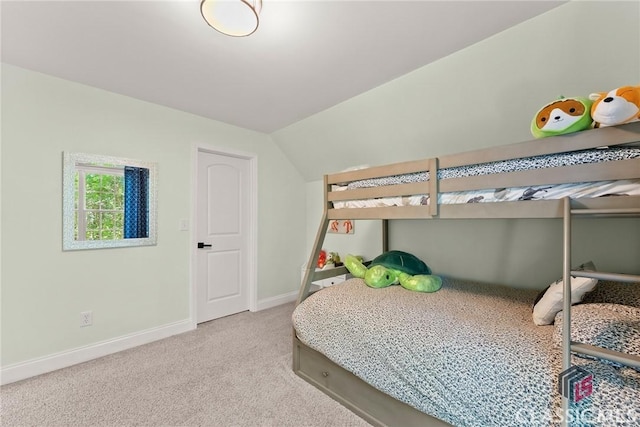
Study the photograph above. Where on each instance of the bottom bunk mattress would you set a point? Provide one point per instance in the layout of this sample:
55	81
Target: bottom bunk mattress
468	354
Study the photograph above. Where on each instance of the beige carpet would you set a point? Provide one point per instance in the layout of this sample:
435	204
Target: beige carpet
234	371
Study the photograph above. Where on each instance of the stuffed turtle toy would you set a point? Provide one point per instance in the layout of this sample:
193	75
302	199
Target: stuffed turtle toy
393	267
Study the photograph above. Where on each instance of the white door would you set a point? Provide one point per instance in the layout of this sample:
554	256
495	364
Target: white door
223	233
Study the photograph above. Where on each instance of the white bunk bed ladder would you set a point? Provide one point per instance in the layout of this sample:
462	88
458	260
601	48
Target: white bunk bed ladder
569	346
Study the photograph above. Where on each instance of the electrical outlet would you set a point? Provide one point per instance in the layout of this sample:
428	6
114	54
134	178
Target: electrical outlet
86	318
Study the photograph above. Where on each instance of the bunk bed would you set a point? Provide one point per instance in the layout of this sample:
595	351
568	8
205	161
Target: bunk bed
393	357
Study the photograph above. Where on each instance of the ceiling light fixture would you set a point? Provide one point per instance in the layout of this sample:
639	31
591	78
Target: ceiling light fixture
236	18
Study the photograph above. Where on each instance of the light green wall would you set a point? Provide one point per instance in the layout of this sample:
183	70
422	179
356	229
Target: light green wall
131	289
518	253
485	95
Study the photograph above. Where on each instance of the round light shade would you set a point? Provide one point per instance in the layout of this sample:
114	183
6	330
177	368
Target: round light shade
235	18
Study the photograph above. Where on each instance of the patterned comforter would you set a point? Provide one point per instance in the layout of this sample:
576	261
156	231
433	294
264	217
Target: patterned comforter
468	354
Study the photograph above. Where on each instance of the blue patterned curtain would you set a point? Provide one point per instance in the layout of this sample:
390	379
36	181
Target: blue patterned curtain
136	202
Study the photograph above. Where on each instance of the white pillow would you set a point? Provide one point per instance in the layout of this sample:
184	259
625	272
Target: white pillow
546	308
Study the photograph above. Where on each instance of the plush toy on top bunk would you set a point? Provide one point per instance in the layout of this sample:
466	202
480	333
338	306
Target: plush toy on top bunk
565	115
392	268
621	105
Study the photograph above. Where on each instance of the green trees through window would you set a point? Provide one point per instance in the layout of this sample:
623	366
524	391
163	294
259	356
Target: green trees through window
100	203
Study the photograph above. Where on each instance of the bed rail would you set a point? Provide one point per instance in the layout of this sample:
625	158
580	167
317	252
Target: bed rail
427	187
614	170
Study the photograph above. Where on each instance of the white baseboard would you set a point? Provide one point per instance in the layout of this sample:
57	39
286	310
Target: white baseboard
42	365
38	366
271	302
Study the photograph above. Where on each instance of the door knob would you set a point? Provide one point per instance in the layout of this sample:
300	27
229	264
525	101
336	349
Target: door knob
202	245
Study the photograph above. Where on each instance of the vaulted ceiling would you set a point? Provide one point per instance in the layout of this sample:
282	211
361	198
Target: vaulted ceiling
305	57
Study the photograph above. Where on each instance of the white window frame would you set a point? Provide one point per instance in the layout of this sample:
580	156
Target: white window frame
81	211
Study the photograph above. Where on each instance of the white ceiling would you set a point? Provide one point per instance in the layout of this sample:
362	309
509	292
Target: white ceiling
305	57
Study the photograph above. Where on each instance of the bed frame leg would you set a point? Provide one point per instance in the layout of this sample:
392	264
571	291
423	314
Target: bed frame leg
566	301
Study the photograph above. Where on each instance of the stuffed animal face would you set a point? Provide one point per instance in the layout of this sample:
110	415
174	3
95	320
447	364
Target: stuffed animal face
621	105
565	115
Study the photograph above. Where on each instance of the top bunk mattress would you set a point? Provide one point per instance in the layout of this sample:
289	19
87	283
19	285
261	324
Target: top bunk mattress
468	354
588	189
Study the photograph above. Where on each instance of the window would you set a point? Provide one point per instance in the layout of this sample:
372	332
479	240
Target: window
99	202
108	202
